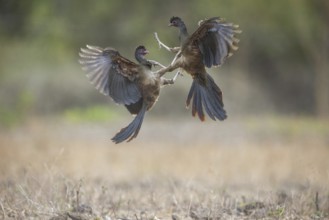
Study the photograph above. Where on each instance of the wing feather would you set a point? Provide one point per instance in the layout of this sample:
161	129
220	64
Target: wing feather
111	73
216	40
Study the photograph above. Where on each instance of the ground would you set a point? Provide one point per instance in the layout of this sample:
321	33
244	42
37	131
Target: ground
255	168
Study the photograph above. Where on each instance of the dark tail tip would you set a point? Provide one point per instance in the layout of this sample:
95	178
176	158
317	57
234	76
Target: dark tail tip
206	96
131	131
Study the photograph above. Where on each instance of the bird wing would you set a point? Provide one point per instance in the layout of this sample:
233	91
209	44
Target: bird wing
216	40
111	73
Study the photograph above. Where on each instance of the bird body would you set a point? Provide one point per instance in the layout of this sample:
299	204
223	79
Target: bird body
190	62
127	83
150	88
208	46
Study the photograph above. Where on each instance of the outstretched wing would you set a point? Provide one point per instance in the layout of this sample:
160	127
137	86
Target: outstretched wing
216	40
111	74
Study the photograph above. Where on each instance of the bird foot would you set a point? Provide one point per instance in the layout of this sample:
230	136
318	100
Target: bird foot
156	63
162	44
176	75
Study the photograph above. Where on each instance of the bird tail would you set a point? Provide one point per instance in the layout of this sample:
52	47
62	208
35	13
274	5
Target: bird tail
206	95
131	131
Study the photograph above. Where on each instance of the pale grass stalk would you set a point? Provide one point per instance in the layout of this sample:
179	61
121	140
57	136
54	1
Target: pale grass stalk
23	192
3	210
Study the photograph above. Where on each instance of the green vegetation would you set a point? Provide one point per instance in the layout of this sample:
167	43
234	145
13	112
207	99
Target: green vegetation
17	110
282	59
96	114
292	127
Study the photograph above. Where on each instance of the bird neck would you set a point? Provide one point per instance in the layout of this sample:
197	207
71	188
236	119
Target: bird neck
183	34
139	57
143	61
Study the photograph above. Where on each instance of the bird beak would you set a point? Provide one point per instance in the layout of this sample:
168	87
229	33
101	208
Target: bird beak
170	24
146	52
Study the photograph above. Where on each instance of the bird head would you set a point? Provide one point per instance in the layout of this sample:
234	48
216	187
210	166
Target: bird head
176	22
141	50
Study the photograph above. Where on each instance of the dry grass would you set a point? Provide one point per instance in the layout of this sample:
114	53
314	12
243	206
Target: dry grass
249	169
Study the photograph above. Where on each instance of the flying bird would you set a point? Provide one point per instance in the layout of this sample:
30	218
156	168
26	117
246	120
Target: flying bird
133	85
210	45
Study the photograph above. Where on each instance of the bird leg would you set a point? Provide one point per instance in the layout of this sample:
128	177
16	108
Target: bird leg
177	74
165	81
156	63
174	64
169	68
170	49
176	50
178	54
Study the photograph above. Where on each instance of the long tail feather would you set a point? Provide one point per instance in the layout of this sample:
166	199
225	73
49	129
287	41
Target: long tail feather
131	131
206	96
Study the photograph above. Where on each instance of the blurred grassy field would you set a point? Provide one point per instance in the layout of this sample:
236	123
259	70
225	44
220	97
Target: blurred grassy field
266	167
62	165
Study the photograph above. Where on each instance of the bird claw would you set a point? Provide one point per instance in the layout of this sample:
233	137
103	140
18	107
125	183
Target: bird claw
158	40
176	75
162	66
161	44
156	63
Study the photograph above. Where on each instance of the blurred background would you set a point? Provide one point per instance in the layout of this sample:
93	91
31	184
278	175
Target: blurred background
275	86
55	128
281	67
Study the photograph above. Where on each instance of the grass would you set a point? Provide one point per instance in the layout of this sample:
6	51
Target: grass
290	126
152	199
243	169
92	114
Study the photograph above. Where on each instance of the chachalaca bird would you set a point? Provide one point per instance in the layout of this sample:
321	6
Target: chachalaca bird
210	45
127	83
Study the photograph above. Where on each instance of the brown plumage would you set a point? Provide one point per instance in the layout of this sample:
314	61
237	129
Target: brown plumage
210	45
127	83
